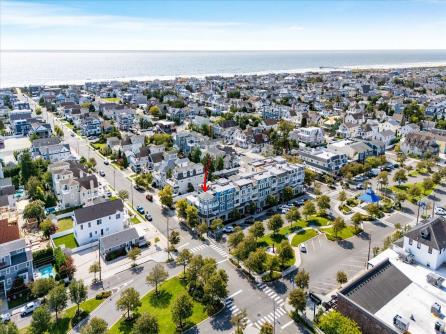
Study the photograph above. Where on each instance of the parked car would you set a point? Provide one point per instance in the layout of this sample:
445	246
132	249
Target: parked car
72	134
102	173
106	162
149	197
303	248
228	229
299	202
28	308
140	209
249	220
359	186
148	217
440	211
5	317
108	194
138	188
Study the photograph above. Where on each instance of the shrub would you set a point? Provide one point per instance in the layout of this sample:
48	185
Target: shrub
104	294
115	254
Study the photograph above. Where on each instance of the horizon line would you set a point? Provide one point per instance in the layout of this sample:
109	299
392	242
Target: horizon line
204	50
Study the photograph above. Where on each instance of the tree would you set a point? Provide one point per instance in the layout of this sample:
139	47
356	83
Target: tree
342	197
78	293
181	310
154	111
133	255
35	188
40	321
302	279
310	176
129	301
338	225
235	238
192	216
428	184
256	260
257	230
146	324
401	197
92	163
323	203
373	209
26	167
271	200
57	299
174	238
95	326
166	196
266	328
239	321
94	268
334	322
298	299
216	288
383	178
293	215
156	276
183	258
436	177
400	176
40	287
216	224
357	220
34	210
308	209
8	328
202	228
287	194
285	252
123	194
414	190
181	206
47	228
272	264
275	223
341	277
195	154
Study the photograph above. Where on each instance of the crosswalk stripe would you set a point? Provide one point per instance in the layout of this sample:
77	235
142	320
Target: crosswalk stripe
270	318
277	298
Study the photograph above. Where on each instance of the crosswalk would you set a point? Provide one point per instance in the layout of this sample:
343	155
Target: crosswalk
198	248
219	250
215	247
235	310
271	294
271	317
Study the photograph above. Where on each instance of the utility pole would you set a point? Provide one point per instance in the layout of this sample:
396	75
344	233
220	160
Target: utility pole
99	261
114	178
168	246
433	208
274	313
368	255
418	212
131	189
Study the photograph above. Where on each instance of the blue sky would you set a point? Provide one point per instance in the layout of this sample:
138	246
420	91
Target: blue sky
223	25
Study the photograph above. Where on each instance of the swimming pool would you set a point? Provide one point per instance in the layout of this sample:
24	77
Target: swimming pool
45	271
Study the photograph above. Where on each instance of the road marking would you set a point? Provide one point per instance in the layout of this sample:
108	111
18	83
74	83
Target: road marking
287	324
197	248
222	261
183	245
235	293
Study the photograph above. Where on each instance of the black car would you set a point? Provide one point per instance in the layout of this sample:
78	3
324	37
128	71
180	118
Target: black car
148	217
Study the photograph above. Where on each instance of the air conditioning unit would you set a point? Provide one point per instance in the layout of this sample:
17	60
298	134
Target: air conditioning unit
401	323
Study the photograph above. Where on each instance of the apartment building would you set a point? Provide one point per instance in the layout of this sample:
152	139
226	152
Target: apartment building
323	161
311	136
15	261
95	221
260	179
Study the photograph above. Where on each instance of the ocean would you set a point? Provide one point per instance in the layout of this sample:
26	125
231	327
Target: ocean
21	68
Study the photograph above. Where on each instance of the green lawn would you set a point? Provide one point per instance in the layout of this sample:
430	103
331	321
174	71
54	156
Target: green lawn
63	325
159	306
135	220
405	187
64	224
69	126
345	233
111	99
67	240
98	146
302	236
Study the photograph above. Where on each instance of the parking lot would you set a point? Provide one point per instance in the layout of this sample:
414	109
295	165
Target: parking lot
325	258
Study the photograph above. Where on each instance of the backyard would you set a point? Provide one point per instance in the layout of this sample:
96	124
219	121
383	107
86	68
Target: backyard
64	224
160	306
67	240
63	325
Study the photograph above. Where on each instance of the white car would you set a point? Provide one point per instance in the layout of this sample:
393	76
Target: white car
440	211
303	248
28	308
5	317
228	229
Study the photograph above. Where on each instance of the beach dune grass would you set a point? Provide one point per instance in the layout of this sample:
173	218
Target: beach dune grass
160	307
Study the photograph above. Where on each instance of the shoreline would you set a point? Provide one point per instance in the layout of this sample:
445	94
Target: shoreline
315	70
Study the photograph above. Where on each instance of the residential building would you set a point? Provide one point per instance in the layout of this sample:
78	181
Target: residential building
122	240
419	144
15	261
322	160
311	136
186	176
98	220
51	149
91	126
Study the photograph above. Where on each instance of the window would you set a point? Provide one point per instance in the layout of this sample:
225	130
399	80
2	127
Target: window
89	224
410	241
429	250
91	234
118	215
99	221
82	227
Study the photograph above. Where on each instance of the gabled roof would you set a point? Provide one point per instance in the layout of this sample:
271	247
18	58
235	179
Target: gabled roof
45	142
431	234
98	211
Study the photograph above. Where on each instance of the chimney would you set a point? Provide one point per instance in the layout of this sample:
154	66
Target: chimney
91	184
81	173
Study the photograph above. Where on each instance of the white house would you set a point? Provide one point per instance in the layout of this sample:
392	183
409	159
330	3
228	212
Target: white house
95	221
311	136
427	243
